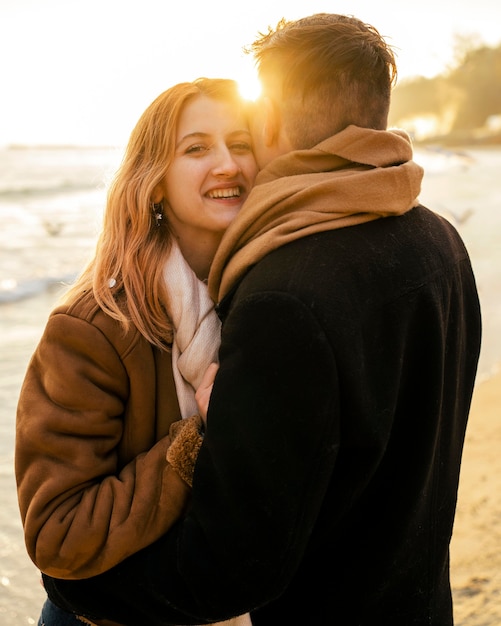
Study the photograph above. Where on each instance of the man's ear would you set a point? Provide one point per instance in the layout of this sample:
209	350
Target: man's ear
271	122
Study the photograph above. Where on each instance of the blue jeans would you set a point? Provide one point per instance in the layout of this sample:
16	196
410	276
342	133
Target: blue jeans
52	615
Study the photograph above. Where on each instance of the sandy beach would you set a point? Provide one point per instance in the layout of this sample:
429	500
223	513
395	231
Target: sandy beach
475	550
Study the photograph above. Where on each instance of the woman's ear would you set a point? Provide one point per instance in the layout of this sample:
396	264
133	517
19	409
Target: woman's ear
158	194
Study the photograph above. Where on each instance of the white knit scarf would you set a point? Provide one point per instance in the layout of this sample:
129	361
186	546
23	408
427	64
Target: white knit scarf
196	326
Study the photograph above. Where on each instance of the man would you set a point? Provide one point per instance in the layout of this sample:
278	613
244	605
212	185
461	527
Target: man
325	488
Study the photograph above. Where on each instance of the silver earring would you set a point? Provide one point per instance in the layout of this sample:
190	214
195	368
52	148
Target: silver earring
157	208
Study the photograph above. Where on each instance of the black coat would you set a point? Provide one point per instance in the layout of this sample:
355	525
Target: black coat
326	486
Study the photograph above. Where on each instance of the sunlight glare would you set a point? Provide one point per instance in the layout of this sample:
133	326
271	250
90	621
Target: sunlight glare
249	86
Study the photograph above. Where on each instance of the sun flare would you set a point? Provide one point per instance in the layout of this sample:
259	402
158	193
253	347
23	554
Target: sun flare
249	86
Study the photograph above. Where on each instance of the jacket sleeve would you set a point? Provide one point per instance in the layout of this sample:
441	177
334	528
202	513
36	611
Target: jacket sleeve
265	463
83	510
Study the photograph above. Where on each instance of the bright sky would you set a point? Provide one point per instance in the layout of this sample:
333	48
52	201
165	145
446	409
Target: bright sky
83	71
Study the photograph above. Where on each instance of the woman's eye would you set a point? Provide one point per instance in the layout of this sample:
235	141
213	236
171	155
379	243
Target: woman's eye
196	148
241	146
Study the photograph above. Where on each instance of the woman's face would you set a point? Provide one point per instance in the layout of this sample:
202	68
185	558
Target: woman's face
212	172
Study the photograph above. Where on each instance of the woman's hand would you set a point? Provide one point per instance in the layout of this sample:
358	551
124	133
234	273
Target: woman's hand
202	394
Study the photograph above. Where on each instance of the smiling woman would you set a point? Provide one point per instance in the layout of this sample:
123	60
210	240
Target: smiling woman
210	177
132	340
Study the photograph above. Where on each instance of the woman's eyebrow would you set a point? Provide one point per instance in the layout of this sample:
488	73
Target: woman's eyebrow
195	134
202	135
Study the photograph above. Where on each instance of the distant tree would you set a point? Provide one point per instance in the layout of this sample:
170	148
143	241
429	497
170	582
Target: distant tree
415	97
463	45
428	98
461	99
479	79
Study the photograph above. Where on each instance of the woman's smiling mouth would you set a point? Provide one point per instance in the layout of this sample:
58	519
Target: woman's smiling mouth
230	192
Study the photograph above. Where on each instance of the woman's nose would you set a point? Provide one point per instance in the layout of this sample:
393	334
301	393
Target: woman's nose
225	164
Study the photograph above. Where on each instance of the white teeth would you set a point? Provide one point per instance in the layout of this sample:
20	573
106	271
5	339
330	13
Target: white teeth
225	193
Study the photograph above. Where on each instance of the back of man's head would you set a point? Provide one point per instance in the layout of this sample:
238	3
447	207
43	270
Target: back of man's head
325	72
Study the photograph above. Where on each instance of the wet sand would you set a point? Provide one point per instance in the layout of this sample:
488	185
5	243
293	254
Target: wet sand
476	542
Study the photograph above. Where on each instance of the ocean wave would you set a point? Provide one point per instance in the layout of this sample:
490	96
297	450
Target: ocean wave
41	172
12	291
47	189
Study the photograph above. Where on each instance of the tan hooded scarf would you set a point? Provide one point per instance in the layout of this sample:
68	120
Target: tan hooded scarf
355	176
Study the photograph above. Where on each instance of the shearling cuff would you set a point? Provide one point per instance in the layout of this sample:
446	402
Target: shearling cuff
186	437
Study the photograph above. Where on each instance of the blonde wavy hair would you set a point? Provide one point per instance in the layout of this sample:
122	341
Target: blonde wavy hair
125	273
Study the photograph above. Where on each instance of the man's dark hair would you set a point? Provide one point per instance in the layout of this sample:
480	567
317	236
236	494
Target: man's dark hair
325	72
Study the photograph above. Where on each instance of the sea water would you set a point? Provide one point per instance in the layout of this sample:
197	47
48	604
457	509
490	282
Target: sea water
51	207
51	204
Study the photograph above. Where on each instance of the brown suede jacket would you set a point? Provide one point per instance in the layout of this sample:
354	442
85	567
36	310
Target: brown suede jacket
93	425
